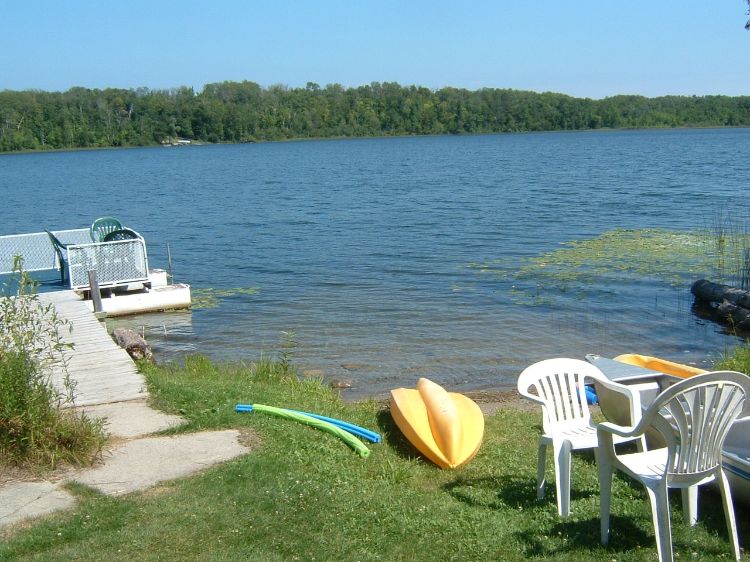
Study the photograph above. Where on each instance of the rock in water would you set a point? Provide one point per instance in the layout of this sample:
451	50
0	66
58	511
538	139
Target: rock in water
133	343
730	304
716	293
340	383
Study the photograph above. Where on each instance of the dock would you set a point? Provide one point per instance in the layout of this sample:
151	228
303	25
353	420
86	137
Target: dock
104	373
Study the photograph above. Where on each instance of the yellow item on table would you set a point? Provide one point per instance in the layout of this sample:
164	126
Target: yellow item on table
661	365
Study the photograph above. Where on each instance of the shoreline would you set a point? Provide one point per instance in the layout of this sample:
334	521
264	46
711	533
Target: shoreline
365	137
489	400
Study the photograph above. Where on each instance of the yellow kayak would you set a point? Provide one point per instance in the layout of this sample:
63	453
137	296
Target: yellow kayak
446	427
661	365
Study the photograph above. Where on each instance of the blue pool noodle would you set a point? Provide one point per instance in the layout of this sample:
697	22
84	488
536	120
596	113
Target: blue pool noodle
371	436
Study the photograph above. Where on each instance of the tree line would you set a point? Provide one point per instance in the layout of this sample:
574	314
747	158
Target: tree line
247	112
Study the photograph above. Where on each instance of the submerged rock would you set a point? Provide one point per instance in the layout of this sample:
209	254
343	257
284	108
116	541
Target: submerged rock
340	383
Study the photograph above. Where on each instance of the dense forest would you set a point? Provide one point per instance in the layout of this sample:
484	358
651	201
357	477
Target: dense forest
247	112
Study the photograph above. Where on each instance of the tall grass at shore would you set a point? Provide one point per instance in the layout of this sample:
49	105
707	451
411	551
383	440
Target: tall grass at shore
301	494
738	359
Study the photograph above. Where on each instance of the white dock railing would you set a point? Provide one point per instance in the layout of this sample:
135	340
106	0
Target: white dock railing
37	249
116	263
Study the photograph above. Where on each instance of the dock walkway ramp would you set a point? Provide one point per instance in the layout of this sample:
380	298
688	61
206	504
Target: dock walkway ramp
102	371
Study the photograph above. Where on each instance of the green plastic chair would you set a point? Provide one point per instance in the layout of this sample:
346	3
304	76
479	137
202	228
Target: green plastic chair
121	234
103	226
62	254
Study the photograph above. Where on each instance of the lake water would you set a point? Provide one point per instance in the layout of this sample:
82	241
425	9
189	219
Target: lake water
371	251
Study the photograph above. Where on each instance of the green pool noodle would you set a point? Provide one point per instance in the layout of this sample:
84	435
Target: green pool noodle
345	436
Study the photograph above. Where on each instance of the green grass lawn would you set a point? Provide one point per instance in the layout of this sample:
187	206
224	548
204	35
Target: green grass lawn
301	494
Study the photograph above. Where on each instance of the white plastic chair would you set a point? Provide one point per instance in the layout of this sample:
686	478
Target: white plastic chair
694	417
559	388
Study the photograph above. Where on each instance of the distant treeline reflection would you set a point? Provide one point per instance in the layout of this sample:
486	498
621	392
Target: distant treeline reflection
246	112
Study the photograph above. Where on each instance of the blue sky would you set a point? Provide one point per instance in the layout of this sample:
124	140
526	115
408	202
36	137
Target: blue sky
586	48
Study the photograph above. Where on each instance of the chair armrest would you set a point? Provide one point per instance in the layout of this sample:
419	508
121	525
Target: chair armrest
621	430
615	386
532	397
632	395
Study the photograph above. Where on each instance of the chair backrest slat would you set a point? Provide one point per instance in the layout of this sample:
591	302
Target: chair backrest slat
696	415
715	432
575	410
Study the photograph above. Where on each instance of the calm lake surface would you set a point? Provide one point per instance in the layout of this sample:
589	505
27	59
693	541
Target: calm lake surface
368	250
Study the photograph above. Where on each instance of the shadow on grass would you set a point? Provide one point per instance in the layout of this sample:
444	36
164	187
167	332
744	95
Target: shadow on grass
710	510
628	533
506	492
393	436
711	515
569	535
539	528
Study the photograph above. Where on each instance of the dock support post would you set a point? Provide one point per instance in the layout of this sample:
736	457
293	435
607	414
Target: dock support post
96	295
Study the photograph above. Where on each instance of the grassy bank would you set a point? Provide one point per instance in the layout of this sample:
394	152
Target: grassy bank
303	495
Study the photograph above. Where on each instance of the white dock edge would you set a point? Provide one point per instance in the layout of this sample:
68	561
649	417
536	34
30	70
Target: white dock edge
168	297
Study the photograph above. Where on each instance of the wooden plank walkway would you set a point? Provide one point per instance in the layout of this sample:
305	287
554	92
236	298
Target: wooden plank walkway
103	371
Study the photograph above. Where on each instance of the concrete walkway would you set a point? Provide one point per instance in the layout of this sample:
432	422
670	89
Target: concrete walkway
136	462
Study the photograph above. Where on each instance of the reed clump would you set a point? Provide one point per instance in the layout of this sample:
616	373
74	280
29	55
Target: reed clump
738	359
730	248
39	424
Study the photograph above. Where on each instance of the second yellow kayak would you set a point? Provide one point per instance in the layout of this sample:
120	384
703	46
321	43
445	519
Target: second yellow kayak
661	365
